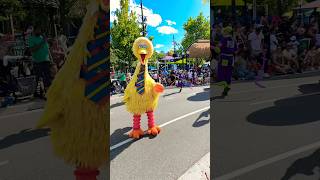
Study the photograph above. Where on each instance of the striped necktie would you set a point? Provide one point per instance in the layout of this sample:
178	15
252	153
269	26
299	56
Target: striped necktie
140	81
95	69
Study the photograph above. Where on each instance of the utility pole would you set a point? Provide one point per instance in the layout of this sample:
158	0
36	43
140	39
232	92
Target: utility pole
143	20
254	11
174	45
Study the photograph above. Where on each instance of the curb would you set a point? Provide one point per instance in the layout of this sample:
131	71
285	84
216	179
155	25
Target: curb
200	170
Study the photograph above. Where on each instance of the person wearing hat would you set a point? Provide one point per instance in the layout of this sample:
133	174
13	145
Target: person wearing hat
228	48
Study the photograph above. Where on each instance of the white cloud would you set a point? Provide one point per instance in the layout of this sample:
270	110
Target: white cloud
158	46
170	23
153	19
114	5
167	30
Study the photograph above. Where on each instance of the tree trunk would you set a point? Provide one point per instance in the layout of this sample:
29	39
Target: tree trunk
12	26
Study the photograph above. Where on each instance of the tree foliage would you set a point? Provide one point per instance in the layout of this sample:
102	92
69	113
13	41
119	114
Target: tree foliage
124	31
11	7
156	56
195	29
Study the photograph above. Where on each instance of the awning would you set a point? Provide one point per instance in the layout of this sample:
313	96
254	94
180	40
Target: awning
181	61
311	5
226	2
200	49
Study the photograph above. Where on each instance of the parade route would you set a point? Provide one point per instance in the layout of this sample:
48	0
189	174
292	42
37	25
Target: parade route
267	133
184	140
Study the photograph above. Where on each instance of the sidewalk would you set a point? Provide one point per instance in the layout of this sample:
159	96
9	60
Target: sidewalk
199	171
22	107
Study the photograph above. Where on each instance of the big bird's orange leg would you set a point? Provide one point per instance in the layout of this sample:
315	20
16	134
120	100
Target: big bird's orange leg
136	131
86	173
153	129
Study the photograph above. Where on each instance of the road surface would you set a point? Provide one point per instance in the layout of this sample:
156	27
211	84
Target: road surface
26	154
268	132
183	141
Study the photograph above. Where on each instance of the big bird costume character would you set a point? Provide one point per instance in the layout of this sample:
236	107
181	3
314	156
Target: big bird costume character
142	93
77	108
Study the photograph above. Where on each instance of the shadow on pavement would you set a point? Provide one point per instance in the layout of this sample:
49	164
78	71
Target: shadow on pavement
309	88
304	166
199	122
170	94
202	96
121	135
22	137
291	111
116	105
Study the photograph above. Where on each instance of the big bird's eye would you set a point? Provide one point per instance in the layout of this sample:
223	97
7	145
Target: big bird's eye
143	46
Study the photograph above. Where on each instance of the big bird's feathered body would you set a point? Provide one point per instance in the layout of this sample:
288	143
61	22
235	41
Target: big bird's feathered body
142	93
79	126
139	104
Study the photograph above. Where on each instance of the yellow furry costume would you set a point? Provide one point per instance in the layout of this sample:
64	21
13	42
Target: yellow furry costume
142	93
79	126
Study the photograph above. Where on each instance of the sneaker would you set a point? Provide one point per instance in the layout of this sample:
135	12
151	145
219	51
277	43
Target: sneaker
225	91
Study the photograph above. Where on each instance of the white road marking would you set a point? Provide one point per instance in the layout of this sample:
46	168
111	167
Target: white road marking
4	163
20	114
162	125
200	170
276	99
269	161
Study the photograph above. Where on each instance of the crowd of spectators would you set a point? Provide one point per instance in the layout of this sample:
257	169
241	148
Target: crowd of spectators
274	45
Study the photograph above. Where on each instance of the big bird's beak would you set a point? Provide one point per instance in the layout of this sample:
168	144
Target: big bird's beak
143	53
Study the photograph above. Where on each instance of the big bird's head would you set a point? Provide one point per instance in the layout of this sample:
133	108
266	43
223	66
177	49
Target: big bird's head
142	49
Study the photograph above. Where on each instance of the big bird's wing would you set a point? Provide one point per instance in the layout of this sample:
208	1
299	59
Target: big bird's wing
67	85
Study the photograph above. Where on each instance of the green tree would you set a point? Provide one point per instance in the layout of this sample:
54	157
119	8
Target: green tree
71	9
11	7
124	31
156	56
195	28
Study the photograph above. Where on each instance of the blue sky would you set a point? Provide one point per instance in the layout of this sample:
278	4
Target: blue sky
165	18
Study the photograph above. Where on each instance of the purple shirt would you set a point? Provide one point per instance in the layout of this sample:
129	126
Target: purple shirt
228	45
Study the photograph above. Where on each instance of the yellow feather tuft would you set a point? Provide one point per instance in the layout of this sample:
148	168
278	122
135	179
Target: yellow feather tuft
79	128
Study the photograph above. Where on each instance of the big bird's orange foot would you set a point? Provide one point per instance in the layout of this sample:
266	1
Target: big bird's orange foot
155	130
136	133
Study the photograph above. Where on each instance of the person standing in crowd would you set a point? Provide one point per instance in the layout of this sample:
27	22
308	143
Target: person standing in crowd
123	79
256	41
226	61
173	78
39	49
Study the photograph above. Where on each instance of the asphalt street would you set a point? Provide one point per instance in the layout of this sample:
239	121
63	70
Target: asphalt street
184	139
267	132
26	154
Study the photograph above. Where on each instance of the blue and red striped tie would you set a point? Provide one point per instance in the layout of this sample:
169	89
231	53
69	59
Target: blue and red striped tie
140	81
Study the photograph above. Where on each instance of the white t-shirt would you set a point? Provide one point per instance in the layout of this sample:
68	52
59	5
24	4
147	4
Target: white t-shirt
255	41
273	42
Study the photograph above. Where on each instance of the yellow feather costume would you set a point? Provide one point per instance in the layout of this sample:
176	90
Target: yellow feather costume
136	103
79	127
142	103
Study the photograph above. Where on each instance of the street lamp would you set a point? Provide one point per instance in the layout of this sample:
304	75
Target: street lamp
187	55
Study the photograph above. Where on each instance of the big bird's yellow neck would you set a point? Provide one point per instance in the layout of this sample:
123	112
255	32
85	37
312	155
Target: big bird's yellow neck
138	69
